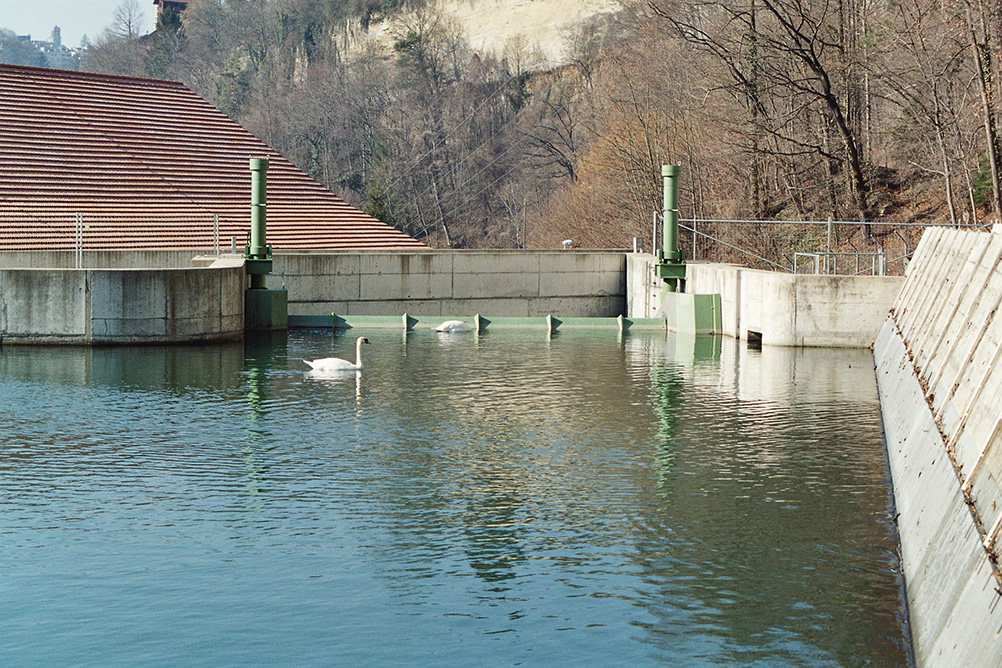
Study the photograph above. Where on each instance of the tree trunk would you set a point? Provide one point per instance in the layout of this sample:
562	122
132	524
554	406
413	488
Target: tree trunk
944	156
755	168
982	61
441	211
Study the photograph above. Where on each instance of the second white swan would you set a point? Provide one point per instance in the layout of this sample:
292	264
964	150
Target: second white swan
333	364
454	326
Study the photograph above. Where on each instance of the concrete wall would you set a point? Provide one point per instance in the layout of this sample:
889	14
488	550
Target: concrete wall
940	381
643	288
841	311
783	309
454	283
110	306
571	283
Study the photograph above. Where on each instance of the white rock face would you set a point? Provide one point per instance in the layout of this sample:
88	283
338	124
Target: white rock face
546	25
543	26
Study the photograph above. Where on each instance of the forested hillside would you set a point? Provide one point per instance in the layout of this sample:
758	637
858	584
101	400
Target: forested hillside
777	109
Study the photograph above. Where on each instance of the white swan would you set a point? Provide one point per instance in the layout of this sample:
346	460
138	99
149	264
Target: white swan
335	364
454	326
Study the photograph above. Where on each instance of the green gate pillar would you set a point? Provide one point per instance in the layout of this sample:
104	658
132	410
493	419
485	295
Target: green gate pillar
670	260
263	309
257	255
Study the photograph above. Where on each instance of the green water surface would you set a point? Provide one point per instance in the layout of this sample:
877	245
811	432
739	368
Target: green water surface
505	499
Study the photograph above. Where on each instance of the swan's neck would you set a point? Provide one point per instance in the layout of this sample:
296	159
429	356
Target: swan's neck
358	353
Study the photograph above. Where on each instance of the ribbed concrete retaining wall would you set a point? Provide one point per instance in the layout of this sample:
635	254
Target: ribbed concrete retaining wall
453	283
940	381
111	306
779	308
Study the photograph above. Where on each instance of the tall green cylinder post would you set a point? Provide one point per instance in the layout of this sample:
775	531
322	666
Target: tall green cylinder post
669	173
263	309
258	249
671	260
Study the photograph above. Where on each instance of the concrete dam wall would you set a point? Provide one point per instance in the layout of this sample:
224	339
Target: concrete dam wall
940	381
159	297
454	283
121	306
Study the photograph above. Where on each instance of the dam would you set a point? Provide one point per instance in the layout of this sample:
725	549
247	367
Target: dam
936	360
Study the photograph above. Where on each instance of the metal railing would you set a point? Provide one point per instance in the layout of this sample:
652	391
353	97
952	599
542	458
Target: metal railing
79	232
826	261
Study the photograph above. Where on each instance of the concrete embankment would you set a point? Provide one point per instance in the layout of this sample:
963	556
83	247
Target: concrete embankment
940	381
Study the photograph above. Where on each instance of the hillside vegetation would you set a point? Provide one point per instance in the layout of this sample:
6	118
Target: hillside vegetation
467	136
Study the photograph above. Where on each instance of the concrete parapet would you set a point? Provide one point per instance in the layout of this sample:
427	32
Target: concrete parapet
938	371
93	259
109	306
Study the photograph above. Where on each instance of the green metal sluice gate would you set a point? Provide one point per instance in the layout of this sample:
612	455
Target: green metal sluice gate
476	323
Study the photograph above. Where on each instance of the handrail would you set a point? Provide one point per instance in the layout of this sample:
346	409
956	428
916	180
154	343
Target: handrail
740	250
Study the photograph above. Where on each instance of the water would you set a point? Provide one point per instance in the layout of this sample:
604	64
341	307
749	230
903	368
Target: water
502	500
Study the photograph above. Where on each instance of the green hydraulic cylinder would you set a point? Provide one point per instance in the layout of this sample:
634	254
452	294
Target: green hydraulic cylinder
258	253
264	309
670	259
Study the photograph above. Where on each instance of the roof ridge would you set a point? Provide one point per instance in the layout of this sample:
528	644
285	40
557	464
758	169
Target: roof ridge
81	74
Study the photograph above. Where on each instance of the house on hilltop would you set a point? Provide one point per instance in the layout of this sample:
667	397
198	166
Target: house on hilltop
116	163
176	5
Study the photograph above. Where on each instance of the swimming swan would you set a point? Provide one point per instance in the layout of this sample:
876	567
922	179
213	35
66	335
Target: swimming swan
454	326
334	364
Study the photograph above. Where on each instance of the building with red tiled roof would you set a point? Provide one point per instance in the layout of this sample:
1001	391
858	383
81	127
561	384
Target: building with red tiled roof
107	162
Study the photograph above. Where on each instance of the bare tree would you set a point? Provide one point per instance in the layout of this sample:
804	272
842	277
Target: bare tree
798	68
127	23
929	79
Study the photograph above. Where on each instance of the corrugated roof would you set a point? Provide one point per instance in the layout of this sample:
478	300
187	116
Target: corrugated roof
149	164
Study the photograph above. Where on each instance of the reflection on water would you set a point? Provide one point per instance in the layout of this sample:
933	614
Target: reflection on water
143	367
497	499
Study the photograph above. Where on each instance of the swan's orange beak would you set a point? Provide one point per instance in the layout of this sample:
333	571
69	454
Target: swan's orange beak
366	341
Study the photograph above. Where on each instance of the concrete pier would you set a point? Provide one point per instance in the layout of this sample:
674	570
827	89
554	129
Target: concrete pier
940	380
121	306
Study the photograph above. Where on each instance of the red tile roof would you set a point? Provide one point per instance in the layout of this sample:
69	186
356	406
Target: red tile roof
148	164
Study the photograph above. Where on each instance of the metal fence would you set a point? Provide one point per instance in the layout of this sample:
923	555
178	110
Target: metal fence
827	260
80	232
